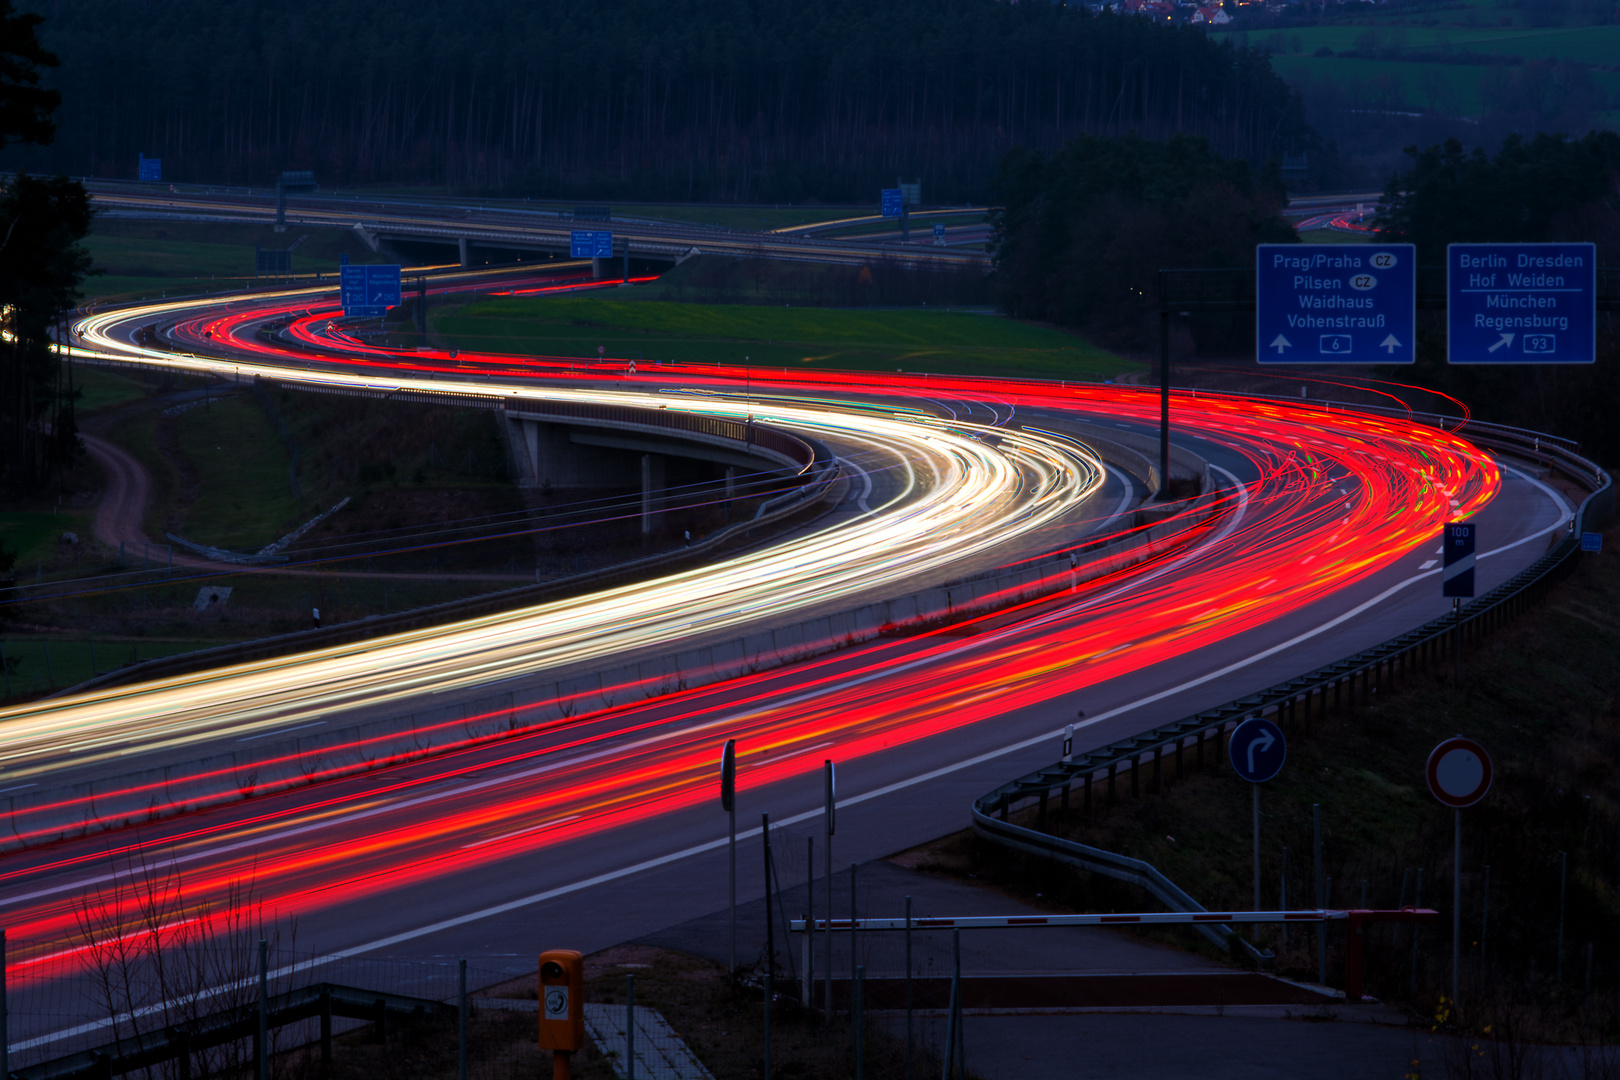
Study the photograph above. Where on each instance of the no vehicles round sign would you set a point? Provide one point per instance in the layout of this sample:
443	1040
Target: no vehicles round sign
1459	772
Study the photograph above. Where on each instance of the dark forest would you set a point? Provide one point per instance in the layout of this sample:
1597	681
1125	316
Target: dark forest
692	99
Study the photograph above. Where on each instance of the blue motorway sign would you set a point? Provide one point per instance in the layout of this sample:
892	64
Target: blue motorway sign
1457	551
1335	303
151	168
939	232
1521	303
1257	750
1591	541
368	291
893	202
590	244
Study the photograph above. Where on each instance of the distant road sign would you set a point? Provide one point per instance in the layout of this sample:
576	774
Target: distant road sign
1459	772
1257	749
1591	541
1335	303
151	168
1521	303
590	244
368	291
939	232
1457	551
893	202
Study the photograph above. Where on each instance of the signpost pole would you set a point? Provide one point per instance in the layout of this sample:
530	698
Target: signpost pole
1459	775
1164	405
1256	789
732	852
1456	903
728	803
827	825
1456	643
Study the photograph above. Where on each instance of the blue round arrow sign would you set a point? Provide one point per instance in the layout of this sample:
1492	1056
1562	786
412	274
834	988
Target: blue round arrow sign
1257	750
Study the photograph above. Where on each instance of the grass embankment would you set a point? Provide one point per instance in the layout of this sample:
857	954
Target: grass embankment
152	258
944	342
1541	696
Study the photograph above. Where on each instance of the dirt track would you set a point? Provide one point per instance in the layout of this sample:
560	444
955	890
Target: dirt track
119	517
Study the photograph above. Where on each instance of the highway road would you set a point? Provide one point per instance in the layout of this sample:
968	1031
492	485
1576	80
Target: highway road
602	826
502	225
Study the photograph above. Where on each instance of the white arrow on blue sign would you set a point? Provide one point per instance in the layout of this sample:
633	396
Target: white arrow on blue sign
1257	750
893	202
1457	550
1521	303
1335	303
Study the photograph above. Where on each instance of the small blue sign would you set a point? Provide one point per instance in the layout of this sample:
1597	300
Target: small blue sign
1591	541
939	232
590	244
1457	550
893	202
368	291
1521	303
1257	750
151	168
1335	303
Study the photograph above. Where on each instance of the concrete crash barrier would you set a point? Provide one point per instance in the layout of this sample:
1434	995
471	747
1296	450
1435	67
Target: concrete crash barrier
278	764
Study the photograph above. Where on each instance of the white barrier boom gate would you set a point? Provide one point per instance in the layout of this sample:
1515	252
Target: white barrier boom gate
1355	918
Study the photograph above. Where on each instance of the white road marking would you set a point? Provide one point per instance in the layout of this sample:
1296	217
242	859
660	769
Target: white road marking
866	484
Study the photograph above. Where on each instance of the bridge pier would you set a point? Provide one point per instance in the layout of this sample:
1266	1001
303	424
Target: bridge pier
464	248
652	489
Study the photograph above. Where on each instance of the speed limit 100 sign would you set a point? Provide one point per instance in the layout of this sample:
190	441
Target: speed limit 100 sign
1459	772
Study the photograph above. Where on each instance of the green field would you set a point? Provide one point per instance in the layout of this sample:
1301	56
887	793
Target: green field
944	342
1406	51
35	535
101	389
36	665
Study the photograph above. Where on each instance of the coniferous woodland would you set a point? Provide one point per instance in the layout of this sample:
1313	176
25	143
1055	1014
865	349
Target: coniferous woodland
748	100
41	266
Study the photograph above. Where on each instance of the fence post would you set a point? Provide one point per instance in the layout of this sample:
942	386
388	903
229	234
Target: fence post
261	1052
910	1029
856	1008
1321	928
461	1020
326	1026
854	935
5	1012
768	992
630	1024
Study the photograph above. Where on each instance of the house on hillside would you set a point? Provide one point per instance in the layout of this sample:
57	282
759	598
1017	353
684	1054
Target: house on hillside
1211	16
1162	10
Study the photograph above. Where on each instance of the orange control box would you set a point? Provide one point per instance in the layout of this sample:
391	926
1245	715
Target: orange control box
562	1000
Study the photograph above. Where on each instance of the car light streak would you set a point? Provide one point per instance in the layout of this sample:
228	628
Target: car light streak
1335	497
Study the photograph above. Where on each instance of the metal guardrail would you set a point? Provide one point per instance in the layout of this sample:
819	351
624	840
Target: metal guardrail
1395	658
178	1042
